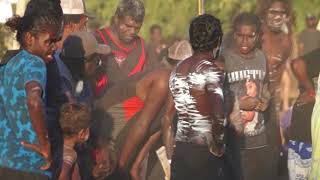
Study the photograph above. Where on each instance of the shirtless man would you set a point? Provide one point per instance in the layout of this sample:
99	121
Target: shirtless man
196	95
276	43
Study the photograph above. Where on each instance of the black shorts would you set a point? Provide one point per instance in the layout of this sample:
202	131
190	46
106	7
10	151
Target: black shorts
195	162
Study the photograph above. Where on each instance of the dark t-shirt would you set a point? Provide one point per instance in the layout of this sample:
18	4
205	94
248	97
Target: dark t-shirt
246	78
81	91
300	129
310	41
55	98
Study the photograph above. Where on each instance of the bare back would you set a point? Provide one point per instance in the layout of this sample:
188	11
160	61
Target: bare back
196	86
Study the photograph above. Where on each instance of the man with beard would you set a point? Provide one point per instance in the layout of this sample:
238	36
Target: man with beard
128	58
276	43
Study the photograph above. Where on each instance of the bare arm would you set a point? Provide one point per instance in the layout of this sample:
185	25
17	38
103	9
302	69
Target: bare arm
37	116
119	92
66	172
300	48
215	95
154	101
299	69
167	126
76	173
142	154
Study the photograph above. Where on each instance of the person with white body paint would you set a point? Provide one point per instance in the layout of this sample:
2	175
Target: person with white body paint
196	94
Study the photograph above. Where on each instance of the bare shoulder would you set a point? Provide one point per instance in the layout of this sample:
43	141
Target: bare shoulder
206	65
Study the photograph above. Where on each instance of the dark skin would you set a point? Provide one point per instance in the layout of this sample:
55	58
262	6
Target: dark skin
276	44
208	104
156	82
42	45
300	71
246	38
90	66
125	30
134	172
68	171
37	116
156	40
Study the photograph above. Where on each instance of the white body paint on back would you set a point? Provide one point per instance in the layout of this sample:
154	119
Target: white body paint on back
192	125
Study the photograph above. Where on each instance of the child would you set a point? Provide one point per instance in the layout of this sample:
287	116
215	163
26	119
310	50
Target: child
74	121
246	69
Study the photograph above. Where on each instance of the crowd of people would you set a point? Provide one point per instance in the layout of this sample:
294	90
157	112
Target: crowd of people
104	104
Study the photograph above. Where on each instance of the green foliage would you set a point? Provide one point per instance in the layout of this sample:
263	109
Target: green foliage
303	8
174	15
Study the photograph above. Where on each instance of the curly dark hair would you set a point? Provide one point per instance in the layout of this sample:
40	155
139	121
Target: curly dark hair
246	18
131	8
74	117
205	33
38	15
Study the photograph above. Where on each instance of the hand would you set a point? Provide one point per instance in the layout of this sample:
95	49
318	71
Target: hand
217	149
248	103
44	151
134	173
305	98
100	171
262	105
105	162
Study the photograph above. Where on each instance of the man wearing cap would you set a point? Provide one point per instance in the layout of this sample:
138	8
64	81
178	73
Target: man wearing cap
75	17
309	39
80	55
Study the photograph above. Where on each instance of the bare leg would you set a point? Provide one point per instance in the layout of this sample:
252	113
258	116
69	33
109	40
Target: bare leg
156	84
135	170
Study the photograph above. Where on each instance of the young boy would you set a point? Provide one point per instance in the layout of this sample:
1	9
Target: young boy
246	69
74	121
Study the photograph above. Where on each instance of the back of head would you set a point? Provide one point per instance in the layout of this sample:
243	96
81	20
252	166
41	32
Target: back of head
246	18
38	16
131	8
74	117
205	33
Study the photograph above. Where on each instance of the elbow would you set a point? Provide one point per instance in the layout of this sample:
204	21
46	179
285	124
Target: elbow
34	102
296	64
